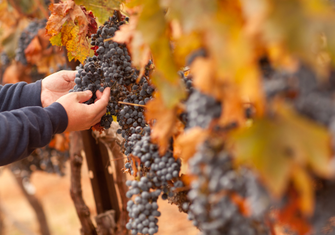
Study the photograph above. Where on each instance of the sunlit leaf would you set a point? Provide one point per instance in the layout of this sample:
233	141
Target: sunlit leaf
276	146
102	9
186	144
304	186
73	25
163	128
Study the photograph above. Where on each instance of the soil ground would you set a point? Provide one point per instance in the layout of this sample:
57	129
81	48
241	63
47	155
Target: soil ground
53	192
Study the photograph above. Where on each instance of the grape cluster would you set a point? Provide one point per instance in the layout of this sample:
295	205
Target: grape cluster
4	59
4	62
156	175
187	81
111	67
45	159
197	53
153	176
143	211
201	109
25	38
212	211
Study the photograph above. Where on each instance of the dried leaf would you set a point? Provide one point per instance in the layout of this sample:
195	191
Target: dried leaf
40	53
187	179
303	184
140	51
62	142
33	51
16	72
290	216
276	147
163	128
186	144
102	9
71	25
154	30
133	163
241	203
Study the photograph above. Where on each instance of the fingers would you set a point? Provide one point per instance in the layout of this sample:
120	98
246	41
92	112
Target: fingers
98	94
103	101
68	75
83	96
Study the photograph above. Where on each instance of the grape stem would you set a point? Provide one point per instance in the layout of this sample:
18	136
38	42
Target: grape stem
141	105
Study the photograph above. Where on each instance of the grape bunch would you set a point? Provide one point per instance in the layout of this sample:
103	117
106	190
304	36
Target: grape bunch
212	209
143	211
4	62
4	59
202	109
156	175
187	81
111	67
26	37
47	159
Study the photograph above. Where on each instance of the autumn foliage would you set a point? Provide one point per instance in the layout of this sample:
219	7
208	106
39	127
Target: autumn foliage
287	151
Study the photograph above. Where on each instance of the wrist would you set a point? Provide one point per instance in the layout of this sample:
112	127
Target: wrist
43	98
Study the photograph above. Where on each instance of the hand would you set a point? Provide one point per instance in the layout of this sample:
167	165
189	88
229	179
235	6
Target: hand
56	85
82	116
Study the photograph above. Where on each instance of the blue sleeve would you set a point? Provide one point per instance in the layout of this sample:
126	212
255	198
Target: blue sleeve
15	96
25	129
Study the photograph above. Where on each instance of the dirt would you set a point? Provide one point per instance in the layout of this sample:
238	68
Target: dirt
53	192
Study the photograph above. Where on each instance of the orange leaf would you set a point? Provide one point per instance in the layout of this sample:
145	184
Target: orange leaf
291	216
71	25
187	143
16	72
303	184
164	127
140	51
61	142
133	163
34	51
187	179
241	203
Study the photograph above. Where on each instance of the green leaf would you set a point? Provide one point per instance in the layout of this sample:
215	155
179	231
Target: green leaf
153	26
29	7
102	9
56	40
171	94
10	42
276	146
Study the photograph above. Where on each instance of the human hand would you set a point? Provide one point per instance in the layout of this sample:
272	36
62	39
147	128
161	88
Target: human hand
56	85
82	116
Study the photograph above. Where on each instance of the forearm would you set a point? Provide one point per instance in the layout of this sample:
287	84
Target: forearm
15	96
25	129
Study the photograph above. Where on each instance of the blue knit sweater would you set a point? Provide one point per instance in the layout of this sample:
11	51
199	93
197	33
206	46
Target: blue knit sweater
24	124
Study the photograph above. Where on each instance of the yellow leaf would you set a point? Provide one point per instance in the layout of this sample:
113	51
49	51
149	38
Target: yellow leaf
164	126
261	147
56	40
186	144
102	9
303	183
276	146
72	25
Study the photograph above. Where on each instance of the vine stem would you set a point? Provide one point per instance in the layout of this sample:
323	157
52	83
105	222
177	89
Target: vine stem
140	105
108	39
76	161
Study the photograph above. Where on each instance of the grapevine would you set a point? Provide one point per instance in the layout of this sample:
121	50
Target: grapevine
226	108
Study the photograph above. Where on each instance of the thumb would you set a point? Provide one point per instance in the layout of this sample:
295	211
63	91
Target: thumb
83	96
